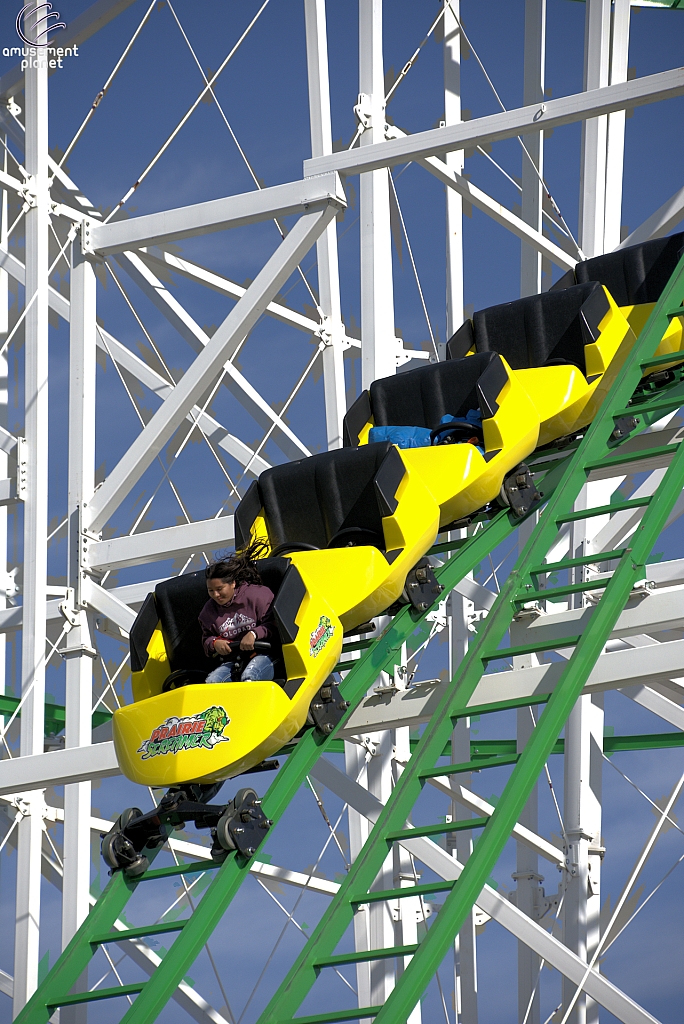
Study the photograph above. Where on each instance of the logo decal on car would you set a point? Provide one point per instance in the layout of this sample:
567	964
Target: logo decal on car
202	731
320	636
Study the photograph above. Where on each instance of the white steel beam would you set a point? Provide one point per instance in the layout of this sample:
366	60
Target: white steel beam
615	153
107	603
30	828
332	331
454	165
378	343
506	125
207	365
499	213
213	430
659	223
502	910
190	330
157	258
217	214
533	166
155	545
57	768
592	203
78	649
582	821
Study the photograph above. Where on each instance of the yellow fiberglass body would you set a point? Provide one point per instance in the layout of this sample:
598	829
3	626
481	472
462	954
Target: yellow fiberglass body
164	738
567	399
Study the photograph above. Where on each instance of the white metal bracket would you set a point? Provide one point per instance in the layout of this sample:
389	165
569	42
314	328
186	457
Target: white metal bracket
363	111
29	193
531	610
22	468
85	228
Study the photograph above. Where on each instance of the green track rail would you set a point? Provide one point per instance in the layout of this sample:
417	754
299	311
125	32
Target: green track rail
560	488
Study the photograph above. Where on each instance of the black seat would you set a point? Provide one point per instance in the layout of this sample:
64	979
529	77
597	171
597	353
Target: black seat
538	330
418	398
634	275
175	605
331	499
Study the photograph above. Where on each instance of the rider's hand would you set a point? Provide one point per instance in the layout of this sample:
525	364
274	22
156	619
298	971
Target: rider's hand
247	642
222	647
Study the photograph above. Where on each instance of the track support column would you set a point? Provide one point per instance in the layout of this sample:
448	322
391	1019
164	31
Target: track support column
460	844
78	651
332	331
378	343
455	161
619	59
594	130
532	191
30	829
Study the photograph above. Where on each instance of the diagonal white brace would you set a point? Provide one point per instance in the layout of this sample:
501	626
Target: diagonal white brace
198	339
208	364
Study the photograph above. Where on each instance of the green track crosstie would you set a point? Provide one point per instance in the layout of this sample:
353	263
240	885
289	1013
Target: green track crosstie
560	488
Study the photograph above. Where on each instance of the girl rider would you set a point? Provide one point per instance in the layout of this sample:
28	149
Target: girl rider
238	609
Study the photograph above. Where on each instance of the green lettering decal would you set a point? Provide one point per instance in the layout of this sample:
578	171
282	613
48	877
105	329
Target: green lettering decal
213	721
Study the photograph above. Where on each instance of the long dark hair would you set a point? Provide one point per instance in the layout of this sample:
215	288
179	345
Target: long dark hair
239	567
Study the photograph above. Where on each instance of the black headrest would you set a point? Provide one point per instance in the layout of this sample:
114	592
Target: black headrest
553	326
421	397
636	274
309	501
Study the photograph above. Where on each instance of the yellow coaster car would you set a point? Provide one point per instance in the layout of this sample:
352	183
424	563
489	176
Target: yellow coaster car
635	277
565	347
345	529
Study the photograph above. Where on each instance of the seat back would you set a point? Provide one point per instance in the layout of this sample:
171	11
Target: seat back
421	397
180	600
529	332
637	274
310	501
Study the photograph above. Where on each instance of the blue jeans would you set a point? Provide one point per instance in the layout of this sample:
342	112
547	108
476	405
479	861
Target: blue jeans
258	667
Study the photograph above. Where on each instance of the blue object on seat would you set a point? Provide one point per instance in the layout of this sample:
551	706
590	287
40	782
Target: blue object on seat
472	418
403	437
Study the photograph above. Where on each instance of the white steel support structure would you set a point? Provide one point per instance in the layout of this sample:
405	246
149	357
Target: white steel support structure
533	165
78	649
374	758
378	344
27	934
454	161
332	329
619	59
594	130
582	819
527	878
460	844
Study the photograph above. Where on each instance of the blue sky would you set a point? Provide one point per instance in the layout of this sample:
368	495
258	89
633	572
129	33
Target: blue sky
264	95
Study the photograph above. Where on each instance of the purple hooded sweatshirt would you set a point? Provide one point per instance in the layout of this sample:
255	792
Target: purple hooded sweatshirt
250	609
